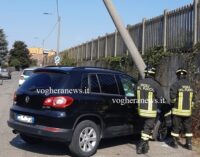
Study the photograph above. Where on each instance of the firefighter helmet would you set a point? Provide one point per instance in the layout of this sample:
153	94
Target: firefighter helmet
181	73
150	71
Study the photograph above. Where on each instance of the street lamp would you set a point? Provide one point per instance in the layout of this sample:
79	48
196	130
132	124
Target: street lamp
58	33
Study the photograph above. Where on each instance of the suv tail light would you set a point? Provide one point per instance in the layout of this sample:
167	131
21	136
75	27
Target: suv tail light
58	101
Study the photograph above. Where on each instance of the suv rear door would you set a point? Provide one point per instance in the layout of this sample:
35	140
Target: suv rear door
105	87
129	90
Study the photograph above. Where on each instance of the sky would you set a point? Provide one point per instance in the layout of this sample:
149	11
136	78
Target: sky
81	20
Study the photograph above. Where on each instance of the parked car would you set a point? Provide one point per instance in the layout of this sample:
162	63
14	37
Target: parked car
25	75
80	119
5	73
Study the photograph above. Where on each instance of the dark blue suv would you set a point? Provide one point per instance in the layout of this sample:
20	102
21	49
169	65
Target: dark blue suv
75	105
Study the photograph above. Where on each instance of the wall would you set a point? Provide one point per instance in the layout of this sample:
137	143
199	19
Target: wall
174	30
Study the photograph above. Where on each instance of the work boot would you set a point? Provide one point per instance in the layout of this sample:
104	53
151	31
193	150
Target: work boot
173	143
146	147
188	144
142	147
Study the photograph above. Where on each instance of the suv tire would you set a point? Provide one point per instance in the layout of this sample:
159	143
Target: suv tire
29	139
85	139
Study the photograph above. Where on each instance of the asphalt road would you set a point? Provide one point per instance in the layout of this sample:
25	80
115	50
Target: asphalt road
12	146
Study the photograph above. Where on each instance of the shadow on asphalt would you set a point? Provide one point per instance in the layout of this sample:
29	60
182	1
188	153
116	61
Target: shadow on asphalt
60	149
106	143
45	147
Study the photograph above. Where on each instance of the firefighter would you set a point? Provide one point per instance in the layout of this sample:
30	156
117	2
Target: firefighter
149	95
181	96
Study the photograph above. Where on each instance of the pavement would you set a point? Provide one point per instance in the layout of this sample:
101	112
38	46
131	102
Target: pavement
12	145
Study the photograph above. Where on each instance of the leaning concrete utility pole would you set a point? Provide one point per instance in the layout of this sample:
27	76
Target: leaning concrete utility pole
58	33
125	36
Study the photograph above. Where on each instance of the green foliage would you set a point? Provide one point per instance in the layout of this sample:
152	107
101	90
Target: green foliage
191	61
15	63
19	55
66	61
113	62
154	55
3	48
118	63
196	48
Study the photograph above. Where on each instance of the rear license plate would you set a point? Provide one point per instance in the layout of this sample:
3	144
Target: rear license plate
25	118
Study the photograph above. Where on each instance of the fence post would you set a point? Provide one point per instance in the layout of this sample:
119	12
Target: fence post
115	53
92	47
82	46
73	53
143	35
106	45
77	53
98	47
195	21
165	30
86	51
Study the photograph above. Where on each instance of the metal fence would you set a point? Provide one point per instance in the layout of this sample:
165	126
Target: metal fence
174	30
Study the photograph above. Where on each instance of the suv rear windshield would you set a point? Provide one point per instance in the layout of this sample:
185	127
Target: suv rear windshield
27	72
46	80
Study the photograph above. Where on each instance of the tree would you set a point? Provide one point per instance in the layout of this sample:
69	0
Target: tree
19	55
66	61
3	48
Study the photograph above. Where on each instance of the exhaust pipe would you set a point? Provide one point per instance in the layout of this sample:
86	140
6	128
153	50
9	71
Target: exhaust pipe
14	132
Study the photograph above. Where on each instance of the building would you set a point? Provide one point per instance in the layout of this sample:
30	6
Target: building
38	55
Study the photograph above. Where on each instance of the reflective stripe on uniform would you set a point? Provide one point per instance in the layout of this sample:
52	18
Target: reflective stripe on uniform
188	135
174	134
179	111
150	101
151	137
191	103
145	136
138	97
173	100
182	112
180	101
169	113
147	113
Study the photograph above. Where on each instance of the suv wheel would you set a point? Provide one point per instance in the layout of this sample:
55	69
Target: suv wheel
85	139
29	139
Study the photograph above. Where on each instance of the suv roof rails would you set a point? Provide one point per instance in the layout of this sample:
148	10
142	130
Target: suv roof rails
56	66
82	67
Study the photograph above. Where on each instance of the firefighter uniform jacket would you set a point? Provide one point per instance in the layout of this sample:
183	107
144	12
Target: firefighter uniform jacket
149	94
181	95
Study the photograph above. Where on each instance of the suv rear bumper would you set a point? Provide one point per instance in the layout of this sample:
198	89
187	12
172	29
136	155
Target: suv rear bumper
50	133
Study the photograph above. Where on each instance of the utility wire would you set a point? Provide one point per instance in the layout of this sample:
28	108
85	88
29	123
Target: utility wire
51	31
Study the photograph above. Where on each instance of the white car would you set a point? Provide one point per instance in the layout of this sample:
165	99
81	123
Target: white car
25	75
